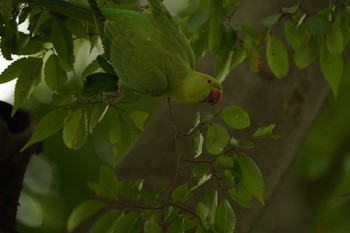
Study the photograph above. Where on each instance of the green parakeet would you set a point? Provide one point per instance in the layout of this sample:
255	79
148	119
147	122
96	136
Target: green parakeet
151	55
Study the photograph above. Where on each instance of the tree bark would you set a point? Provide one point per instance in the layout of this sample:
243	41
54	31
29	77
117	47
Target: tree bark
14	133
291	103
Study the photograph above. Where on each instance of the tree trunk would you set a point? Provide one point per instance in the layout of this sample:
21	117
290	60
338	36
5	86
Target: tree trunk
14	133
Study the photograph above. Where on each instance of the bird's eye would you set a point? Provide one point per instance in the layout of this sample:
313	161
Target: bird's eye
208	81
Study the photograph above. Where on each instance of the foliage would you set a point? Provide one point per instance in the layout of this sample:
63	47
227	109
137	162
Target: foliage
48	56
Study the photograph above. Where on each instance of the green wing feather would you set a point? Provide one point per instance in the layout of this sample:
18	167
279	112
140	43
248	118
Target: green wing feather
174	37
132	42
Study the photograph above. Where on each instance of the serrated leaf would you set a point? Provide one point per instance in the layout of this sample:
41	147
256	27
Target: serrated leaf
14	69
197	144
235	117
334	39
104	223
217	138
98	112
225	219
98	83
48	126
306	54
332	68
105	65
55	77
27	80
277	57
83	212
270	20
128	223
62	39
181	193
107	185
75	130
251	178
152	226
90	69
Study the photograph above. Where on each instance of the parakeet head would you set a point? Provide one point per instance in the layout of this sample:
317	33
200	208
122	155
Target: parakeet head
197	88
215	89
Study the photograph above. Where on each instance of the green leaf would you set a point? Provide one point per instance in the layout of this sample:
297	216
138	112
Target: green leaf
292	9
48	126
217	30
128	223
104	223
201	181
200	170
277	57
139	118
295	35
306	54
152	226
107	185
197	144
98	112
122	134
332	68
239	55
251	178
202	211
98	83
62	39
334	39
270	20
197	20
235	117
55	77
83	212
181	193
90	69
75	130
223	60
14	69
225	219
130	190
242	144
27	80
217	139
317	25
197	121
176	226
105	65
265	132
224	161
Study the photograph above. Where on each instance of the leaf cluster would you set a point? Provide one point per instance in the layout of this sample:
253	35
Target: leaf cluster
126	206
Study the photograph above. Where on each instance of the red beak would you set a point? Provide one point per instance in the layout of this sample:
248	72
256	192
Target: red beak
214	96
